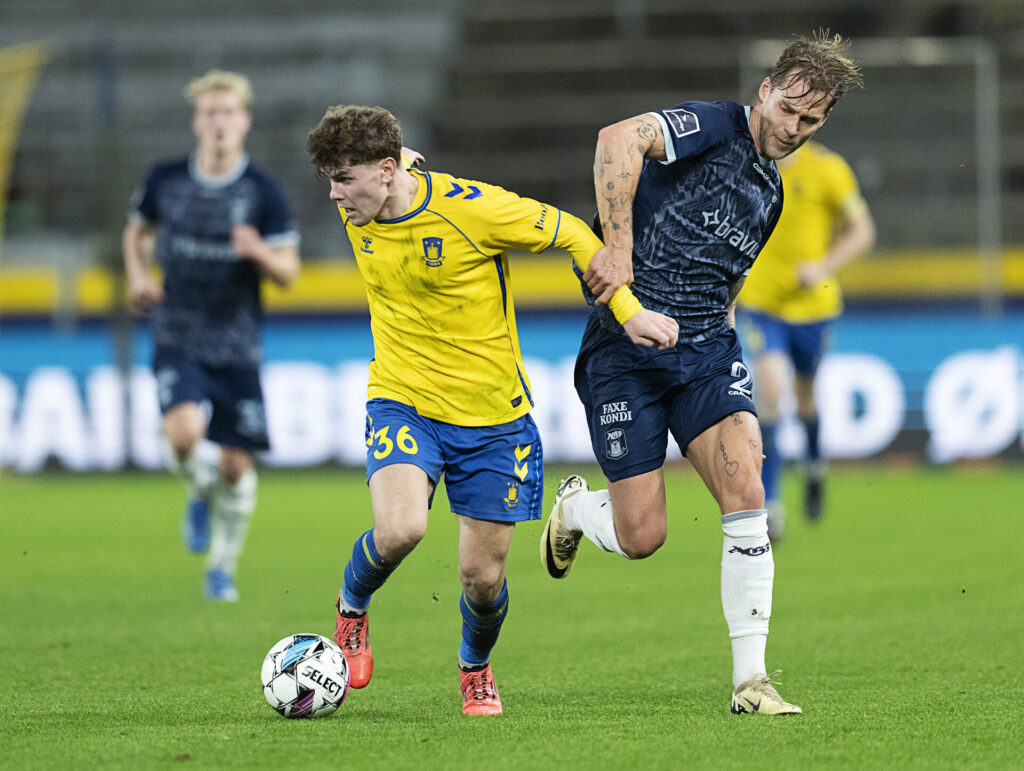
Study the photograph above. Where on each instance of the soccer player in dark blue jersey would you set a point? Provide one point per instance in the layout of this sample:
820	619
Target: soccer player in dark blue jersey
217	226
686	199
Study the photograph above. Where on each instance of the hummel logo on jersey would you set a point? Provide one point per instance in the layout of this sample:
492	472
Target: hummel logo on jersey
432	251
367	247
725	230
474	191
683	122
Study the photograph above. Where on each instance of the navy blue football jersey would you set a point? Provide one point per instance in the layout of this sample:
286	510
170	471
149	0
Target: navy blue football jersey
700	217
211	304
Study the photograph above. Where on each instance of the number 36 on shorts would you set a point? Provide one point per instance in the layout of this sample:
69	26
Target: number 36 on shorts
385	445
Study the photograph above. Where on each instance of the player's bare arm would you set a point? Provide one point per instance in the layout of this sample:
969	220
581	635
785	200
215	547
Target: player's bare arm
137	244
279	264
734	291
856	236
618	162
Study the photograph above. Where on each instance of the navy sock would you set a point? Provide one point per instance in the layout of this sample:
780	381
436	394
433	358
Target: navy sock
813	448
480	627
771	463
365	572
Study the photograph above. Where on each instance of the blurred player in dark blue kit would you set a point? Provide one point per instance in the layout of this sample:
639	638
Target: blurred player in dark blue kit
217	226
686	198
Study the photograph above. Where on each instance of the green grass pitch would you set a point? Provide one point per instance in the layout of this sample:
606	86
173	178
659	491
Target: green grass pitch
898	623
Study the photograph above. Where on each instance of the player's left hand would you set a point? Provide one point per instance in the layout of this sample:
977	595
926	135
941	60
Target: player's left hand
650	328
245	240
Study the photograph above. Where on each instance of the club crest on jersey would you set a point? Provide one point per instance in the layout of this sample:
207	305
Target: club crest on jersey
367	247
615	444
432	251
512	499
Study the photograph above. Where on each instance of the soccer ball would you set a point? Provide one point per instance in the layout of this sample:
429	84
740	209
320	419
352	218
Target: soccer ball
305	675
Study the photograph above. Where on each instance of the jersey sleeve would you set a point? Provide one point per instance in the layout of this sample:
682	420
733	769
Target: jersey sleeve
275	223
691	129
523	223
143	202
844	191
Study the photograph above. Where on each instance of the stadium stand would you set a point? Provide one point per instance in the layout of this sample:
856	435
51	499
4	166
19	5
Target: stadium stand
510	92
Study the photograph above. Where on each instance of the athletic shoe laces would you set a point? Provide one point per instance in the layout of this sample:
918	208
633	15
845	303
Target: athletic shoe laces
766	685
353	638
480	687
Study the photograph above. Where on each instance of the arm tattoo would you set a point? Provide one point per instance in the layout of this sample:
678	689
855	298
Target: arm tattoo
647	132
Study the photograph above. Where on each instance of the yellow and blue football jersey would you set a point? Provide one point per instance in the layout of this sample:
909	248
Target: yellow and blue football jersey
442	316
820	193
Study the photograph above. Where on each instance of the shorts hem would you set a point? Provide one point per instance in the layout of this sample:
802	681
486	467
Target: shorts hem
725	414
533	516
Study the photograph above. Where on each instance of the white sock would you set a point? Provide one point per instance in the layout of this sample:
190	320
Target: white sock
233	506
591	512
748	571
198	469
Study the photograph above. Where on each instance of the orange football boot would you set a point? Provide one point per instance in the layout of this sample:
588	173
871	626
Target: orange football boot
351	633
479	692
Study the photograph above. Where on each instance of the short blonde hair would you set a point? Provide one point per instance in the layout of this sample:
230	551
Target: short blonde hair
219	80
820	63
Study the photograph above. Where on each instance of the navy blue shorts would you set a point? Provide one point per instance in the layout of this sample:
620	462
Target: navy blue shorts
803	344
238	417
634	396
491	472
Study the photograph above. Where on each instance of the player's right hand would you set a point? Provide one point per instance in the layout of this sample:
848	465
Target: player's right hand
608	270
146	293
412	157
650	328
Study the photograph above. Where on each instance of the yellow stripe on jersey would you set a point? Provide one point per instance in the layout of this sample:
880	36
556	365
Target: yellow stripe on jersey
820	192
438	288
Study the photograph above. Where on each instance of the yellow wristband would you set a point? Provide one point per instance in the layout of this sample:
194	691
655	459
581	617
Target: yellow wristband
624	304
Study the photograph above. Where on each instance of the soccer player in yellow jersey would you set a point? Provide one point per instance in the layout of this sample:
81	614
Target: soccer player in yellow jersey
791	298
448	393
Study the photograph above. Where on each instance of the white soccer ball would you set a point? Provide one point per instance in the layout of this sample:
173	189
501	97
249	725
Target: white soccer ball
305	675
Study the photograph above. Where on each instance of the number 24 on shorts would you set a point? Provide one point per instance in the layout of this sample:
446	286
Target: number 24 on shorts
385	445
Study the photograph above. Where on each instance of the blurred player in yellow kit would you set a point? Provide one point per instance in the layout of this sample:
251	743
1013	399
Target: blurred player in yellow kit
791	298
448	393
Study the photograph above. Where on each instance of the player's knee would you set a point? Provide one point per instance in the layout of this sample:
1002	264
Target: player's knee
482	582
397	540
233	466
182	440
743	495
641	544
